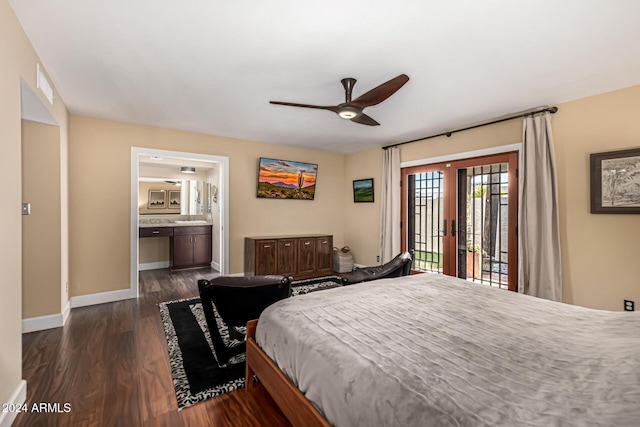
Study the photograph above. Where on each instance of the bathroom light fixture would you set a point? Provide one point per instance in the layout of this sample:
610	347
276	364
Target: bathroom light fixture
187	169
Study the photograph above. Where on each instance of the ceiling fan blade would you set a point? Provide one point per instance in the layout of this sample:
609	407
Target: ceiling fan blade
363	119
317	107
380	93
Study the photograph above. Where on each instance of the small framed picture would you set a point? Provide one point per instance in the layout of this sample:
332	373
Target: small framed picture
174	199
615	182
363	190
156	199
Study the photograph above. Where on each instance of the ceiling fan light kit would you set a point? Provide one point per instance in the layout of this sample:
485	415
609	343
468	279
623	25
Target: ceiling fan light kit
353	110
347	114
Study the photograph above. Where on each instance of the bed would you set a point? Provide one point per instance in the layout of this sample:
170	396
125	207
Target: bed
432	350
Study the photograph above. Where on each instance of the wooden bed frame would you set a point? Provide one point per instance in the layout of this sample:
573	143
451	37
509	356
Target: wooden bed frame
298	410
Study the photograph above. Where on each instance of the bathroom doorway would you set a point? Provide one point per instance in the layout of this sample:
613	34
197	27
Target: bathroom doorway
204	199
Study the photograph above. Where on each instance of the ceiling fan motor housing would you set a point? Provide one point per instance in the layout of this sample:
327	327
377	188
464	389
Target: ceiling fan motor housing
348	83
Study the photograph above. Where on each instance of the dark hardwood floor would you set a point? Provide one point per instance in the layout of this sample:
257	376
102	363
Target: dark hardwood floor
110	364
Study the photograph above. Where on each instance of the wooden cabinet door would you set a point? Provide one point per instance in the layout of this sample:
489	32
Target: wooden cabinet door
202	249
287	249
182	251
266	257
306	255
324	254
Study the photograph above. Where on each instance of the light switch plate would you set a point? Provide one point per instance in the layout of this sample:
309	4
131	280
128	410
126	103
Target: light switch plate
26	209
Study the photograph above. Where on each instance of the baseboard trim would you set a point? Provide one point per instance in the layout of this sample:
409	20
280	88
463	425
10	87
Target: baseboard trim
237	275
215	265
153	265
101	298
41	323
18	398
359	265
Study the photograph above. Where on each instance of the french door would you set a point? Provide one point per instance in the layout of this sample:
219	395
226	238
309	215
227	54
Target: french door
460	218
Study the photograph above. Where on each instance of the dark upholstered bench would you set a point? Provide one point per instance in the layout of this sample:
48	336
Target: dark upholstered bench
399	266
238	300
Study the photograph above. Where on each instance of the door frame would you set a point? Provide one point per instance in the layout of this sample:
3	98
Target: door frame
223	197
448	202
463	159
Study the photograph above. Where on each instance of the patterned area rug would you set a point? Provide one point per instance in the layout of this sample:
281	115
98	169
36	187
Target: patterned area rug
299	287
196	373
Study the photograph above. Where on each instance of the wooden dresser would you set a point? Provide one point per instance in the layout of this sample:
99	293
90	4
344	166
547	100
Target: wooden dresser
300	256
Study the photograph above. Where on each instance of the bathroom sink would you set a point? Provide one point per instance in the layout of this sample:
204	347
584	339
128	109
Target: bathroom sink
193	221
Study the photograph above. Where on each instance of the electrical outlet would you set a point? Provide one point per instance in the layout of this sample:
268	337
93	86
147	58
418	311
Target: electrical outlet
378	258
629	305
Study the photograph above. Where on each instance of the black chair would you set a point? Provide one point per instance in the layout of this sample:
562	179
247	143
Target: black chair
397	267
238	300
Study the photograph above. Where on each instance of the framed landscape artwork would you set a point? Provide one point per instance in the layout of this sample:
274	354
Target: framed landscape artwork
156	199
174	199
363	190
284	179
615	182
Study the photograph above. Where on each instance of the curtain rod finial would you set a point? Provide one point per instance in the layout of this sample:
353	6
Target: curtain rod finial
553	110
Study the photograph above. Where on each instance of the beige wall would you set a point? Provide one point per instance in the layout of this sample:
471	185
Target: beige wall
600	252
100	200
11	248
18	61
153	249
362	220
41	229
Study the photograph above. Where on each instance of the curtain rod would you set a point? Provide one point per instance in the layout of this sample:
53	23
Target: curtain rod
448	134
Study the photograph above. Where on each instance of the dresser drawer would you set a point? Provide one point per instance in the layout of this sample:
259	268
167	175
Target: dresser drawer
156	231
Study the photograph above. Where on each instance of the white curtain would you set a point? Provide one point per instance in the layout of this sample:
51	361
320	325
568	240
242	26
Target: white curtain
390	217
539	268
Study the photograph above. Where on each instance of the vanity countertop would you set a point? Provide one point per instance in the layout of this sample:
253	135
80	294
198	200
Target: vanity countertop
174	224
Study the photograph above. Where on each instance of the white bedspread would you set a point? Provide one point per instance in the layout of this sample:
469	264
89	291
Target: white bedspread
430	350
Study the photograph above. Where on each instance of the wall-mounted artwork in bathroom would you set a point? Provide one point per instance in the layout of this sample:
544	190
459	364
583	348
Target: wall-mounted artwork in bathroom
174	199
156	199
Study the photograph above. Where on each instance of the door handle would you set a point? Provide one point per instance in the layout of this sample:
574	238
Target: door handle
453	228
286	245
307	243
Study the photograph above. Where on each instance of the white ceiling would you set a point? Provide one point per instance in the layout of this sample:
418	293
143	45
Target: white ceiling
213	66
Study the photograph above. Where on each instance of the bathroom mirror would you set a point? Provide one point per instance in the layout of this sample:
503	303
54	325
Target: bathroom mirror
157	196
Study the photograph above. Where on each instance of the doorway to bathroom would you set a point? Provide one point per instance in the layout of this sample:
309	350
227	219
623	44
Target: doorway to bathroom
178	190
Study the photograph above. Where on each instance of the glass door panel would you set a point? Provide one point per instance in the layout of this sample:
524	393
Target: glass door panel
426	209
483	215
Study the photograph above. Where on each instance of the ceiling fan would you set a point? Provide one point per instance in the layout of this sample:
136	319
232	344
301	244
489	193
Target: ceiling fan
352	110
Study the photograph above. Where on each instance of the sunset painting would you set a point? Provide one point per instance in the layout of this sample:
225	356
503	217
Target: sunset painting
283	179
